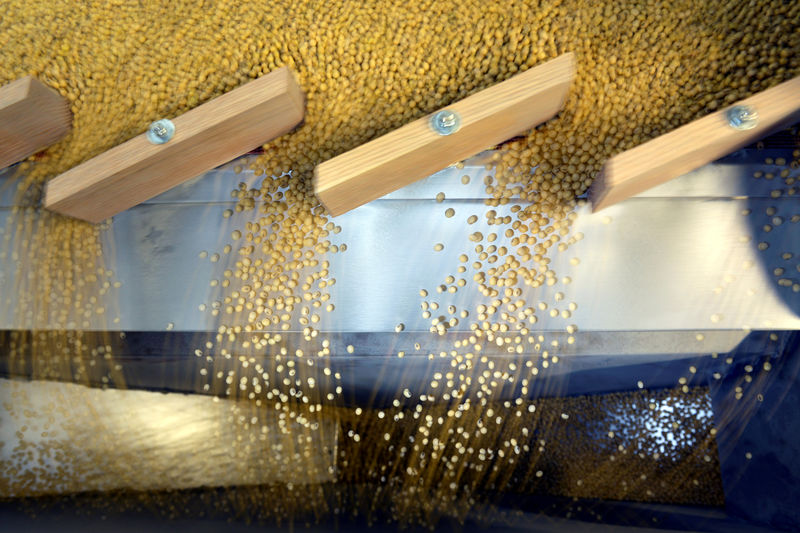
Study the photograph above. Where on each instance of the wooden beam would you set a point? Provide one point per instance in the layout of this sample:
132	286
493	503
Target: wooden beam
415	150
692	146
205	137
32	117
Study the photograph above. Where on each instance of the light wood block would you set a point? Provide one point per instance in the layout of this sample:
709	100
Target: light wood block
692	146
205	137
32	117
415	151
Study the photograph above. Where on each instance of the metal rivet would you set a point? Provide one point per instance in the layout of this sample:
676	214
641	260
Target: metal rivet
160	131
445	122
742	117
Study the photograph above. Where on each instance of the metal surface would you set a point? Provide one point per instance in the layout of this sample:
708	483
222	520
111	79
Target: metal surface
680	257
596	362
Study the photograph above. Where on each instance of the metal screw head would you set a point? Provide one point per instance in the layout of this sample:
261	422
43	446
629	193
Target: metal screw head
160	131
742	117
445	122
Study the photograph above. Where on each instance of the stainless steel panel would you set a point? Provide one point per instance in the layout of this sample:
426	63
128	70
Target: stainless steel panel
680	257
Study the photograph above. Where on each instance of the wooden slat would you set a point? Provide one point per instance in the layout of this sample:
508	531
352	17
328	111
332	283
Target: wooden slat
415	151
205	137
32	117
692	146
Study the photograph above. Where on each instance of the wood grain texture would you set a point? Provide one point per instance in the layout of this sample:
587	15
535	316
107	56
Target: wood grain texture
415	151
692	146
32	117
205	137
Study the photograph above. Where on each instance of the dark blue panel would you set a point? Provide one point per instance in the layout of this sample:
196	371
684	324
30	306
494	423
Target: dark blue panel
764	423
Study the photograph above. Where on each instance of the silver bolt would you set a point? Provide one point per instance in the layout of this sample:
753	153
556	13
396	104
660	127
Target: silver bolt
160	131
742	117
445	122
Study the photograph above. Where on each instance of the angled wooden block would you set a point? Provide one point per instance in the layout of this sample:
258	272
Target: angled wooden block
205	137
693	145
32	117
415	150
